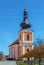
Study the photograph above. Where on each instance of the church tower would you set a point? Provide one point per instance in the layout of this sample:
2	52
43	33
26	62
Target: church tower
25	42
26	34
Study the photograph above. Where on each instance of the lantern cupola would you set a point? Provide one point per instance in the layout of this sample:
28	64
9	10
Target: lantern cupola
25	24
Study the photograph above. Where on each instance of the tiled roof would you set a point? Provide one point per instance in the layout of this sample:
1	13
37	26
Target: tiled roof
15	42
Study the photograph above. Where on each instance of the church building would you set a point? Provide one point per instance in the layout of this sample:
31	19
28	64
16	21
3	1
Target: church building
25	41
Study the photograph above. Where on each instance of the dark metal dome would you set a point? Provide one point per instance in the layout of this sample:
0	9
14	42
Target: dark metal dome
25	24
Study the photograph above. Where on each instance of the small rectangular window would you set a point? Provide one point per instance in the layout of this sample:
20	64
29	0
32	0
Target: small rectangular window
27	36
20	37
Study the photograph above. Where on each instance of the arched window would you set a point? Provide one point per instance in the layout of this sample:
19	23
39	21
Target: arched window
27	49
27	36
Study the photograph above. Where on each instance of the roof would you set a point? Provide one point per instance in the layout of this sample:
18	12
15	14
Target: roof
15	42
25	24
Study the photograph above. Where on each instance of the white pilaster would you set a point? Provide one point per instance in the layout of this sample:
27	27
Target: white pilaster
32	46
23	50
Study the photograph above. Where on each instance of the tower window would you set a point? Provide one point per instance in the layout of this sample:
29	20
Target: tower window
27	49
20	37
27	36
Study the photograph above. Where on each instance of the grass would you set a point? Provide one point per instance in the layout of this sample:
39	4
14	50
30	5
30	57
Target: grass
24	63
21	63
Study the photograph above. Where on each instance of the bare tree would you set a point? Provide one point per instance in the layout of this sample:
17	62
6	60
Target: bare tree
1	55
39	42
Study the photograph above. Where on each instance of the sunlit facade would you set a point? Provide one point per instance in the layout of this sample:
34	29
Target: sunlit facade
25	41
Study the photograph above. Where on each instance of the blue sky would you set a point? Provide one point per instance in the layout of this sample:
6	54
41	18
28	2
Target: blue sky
11	15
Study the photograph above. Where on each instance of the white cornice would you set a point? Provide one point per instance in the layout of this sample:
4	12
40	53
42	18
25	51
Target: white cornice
29	44
26	30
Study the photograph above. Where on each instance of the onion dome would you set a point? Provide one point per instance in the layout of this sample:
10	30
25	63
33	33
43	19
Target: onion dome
25	24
